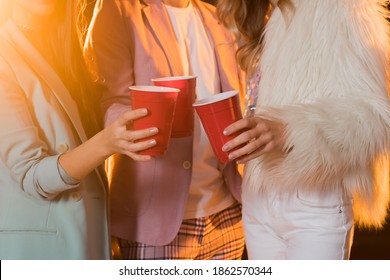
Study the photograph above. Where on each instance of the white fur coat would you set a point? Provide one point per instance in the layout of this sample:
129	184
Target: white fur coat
324	73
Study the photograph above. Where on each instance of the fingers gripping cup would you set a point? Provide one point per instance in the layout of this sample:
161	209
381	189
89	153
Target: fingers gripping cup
161	103
183	122
216	113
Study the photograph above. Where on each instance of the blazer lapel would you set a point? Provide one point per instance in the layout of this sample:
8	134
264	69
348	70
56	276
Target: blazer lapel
162	28
35	60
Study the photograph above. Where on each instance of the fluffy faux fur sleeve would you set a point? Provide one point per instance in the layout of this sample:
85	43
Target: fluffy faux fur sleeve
324	74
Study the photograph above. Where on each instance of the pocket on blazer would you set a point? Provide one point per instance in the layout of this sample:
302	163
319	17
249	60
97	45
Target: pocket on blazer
23	212
28	231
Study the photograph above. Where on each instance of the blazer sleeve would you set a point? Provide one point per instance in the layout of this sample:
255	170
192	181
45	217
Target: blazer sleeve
23	153
108	52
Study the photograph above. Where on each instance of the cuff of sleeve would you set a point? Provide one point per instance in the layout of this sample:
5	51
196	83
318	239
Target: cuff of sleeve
46	179
66	178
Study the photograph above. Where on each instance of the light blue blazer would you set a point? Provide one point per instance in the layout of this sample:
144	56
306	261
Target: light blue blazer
42	217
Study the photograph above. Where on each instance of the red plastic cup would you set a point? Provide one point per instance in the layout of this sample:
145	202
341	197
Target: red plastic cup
161	103
216	113
183	122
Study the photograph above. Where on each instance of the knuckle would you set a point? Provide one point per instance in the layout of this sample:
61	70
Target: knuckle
256	144
130	137
126	146
271	145
249	135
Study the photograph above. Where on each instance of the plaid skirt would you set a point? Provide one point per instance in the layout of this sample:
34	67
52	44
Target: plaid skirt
216	237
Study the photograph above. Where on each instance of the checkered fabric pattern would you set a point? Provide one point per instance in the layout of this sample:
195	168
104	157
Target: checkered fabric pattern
216	237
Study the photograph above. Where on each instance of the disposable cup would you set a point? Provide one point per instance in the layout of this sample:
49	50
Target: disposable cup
160	103
183	122
216	113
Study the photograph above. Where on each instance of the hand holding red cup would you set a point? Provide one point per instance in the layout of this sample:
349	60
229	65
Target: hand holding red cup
160	103
216	113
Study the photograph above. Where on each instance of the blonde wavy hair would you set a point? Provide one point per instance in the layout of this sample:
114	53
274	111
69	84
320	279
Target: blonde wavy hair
247	19
63	38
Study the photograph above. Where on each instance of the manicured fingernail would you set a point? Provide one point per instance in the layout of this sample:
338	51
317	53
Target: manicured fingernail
144	111
232	156
153	130
226	132
225	148
152	142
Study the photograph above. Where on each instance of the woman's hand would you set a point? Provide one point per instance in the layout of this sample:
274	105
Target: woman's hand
118	138
260	136
115	138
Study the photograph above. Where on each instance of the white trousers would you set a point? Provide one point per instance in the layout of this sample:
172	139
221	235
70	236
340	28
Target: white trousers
301	226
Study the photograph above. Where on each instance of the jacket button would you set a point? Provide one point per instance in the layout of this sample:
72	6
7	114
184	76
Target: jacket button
75	196
187	164
62	148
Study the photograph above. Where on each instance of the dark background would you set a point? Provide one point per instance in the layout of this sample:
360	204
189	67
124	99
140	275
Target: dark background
367	244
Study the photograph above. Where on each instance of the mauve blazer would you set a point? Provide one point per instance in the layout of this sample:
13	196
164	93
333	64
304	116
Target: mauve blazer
41	217
131	42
